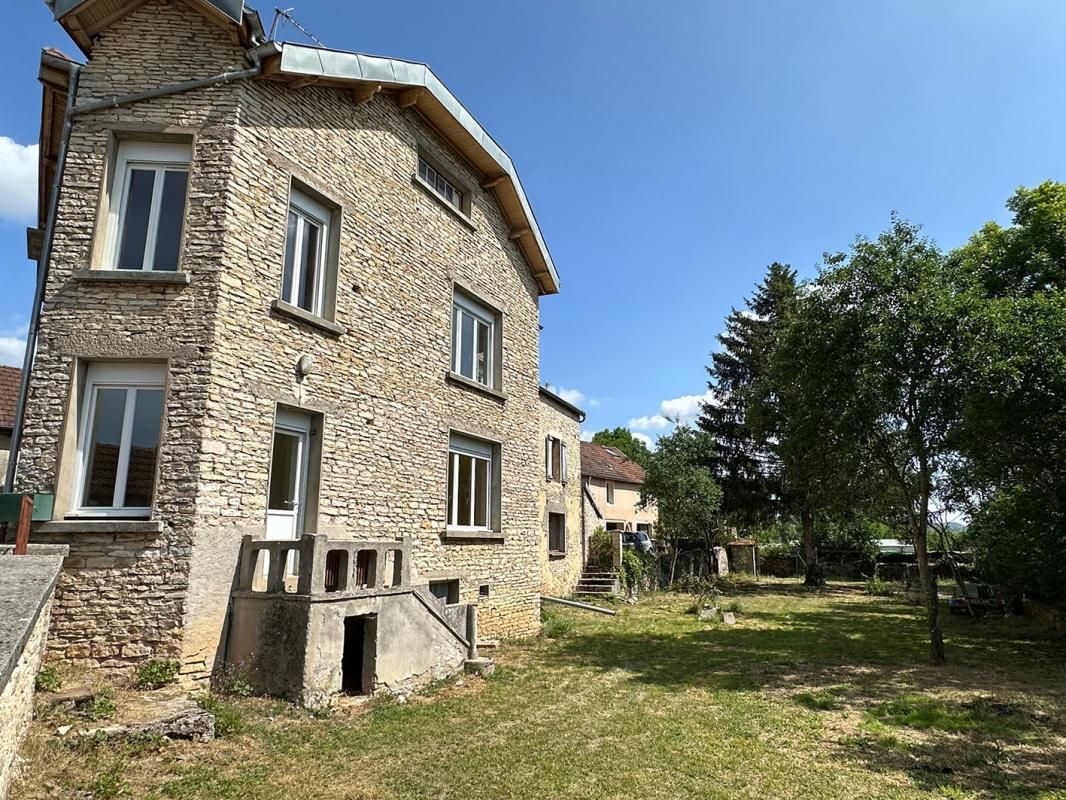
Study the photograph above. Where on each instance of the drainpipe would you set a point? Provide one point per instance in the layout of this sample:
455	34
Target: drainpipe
42	277
254	55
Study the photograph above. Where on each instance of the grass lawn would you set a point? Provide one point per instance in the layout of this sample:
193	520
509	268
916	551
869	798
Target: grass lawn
811	695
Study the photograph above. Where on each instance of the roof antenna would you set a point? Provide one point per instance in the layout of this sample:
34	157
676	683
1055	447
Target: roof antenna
286	13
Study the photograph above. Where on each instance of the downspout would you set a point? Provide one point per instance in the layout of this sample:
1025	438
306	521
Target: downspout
255	55
42	277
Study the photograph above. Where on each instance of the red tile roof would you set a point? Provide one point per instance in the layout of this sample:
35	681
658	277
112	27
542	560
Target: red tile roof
599	461
9	396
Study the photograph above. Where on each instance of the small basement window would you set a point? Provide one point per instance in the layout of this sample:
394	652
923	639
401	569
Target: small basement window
445	591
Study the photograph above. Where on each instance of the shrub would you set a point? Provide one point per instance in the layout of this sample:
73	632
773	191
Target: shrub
156	674
48	679
637	572
233	680
554	625
733	606
877	587
228	718
102	706
600	549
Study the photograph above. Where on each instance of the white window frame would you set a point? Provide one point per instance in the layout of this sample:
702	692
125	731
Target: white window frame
307	209
159	157
481	315
477	449
430	182
115	376
609	491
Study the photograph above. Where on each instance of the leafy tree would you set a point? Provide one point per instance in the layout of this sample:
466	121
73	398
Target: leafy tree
869	354
623	440
681	486
1012	436
738	418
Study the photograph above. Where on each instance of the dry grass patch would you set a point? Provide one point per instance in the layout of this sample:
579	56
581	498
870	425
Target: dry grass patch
813	695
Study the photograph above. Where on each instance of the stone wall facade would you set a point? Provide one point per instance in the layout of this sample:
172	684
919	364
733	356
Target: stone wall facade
16	699
382	406
560	571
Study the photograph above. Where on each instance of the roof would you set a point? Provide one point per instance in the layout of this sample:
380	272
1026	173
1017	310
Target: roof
570	408
415	84
9	396
599	461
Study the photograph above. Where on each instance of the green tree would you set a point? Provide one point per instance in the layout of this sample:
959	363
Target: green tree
740	418
1012	435
681	486
623	440
870	356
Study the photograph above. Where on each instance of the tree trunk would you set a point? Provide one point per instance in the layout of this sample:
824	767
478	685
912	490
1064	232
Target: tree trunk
813	575
928	578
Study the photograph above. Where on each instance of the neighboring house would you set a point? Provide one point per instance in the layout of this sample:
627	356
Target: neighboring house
563	548
612	485
300	296
9	393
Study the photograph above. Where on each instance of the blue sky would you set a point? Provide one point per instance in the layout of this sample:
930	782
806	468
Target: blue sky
672	150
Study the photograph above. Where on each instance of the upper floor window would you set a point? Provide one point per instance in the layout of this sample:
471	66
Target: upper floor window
118	440
151	181
303	281
610	492
555	459
441	186
474	330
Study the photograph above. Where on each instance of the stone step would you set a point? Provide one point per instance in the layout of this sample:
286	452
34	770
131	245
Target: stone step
594	592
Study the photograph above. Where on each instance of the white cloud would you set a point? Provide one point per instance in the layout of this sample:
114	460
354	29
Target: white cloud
18	180
653	422
586	436
12	350
573	396
684	409
643	437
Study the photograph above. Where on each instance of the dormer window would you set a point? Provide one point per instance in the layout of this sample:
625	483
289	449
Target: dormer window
151	182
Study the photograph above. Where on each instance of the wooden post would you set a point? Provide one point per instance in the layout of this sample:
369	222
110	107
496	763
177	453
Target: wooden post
22	536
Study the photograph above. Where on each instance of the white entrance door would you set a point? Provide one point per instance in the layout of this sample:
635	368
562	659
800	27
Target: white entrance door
287	491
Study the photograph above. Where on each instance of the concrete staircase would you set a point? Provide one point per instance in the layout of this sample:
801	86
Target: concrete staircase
597	581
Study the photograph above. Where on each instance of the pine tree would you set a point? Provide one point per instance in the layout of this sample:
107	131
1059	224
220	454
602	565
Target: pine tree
741	415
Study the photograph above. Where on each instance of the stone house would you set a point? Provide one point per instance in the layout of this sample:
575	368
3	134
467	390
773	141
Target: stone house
287	362
612	484
563	551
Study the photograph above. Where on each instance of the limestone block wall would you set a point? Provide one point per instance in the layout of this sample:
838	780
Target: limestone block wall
122	596
136	591
385	406
560	573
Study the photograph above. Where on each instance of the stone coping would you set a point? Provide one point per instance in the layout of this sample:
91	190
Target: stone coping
26	584
461	380
323	597
152	277
300	315
146	526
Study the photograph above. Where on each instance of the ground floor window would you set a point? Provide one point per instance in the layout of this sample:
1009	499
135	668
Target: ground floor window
118	442
471	483
556	533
